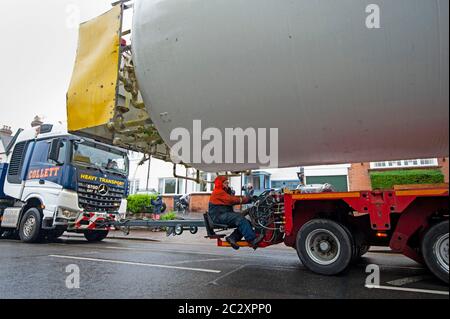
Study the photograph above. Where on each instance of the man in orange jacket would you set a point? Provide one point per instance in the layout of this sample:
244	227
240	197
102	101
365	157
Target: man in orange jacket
221	211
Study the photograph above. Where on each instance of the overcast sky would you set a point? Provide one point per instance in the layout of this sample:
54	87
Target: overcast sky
37	54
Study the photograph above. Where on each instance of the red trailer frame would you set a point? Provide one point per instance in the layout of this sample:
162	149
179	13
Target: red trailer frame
396	215
402	218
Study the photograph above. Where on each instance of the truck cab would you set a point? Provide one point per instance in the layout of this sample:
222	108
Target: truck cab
54	182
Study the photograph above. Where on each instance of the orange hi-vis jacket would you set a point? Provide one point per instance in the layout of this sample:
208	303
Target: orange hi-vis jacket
220	196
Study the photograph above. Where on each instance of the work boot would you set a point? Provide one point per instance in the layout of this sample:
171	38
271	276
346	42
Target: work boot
232	242
254	243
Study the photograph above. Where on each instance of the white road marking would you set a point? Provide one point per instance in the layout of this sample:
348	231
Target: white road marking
187	252
198	260
136	264
215	282
407	280
382	253
424	291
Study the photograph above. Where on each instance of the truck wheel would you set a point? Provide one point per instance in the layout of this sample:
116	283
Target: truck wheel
30	226
435	250
96	235
324	247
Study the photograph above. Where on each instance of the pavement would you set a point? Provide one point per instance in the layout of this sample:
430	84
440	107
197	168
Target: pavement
151	265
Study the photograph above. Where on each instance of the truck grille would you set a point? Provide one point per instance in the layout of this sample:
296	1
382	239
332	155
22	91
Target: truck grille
92	201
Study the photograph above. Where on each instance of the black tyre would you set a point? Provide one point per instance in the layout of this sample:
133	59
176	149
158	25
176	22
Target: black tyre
179	230
435	250
324	247
54	234
359	248
30	226
355	247
363	249
96	235
163	207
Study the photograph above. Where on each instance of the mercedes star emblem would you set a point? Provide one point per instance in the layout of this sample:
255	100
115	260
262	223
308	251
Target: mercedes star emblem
103	190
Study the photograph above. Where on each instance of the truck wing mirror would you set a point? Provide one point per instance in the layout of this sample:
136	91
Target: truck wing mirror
55	147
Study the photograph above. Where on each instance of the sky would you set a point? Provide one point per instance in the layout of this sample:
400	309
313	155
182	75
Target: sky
37	52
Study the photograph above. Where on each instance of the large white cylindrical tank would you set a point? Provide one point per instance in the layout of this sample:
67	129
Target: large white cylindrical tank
337	90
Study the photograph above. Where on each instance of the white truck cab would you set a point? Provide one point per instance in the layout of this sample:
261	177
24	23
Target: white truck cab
54	182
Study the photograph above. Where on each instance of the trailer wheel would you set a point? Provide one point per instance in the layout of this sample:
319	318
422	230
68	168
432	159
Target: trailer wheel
193	230
30	226
435	250
324	247
355	248
179	230
358	247
363	249
96	235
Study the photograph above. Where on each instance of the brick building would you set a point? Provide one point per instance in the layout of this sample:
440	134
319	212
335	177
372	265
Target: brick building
359	173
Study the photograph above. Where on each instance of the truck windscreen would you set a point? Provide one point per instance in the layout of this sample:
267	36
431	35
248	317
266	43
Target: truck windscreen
100	157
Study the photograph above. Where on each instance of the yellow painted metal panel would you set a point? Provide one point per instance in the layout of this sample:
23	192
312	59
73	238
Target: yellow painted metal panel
91	97
423	192
327	196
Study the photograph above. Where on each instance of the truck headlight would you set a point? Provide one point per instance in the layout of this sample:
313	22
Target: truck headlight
67	213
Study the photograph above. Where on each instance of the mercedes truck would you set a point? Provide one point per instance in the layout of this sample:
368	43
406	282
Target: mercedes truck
53	182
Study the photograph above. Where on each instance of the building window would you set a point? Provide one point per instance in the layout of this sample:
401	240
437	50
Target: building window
208	186
260	181
290	184
134	186
203	187
180	185
405	163
171	186
266	182
255	181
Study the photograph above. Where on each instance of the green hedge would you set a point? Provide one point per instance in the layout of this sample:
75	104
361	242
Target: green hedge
140	203
169	216
388	179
